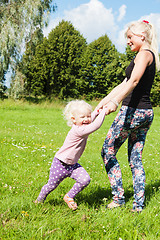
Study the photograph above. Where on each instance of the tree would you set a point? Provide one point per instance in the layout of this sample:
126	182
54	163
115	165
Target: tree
55	69
22	72
155	91
17	85
101	69
130	54
18	21
2	88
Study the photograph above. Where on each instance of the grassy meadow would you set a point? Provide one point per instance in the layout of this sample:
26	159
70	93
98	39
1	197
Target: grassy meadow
30	134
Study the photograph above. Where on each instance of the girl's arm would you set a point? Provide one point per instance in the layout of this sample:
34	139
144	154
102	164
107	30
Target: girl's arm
94	114
87	129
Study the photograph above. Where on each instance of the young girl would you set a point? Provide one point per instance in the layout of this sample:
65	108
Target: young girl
65	163
135	116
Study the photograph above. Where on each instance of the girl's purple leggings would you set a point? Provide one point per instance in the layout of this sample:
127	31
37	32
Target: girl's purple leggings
58	172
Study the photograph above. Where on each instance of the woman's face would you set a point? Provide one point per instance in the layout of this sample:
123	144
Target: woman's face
135	41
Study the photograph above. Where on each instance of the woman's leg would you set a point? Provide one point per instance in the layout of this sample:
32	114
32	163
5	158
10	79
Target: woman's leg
136	143
115	138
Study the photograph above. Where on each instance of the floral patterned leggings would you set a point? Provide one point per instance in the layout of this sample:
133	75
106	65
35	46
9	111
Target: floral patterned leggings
133	124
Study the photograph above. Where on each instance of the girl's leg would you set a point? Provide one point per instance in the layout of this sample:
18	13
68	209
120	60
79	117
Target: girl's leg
136	143
58	173
115	138
82	179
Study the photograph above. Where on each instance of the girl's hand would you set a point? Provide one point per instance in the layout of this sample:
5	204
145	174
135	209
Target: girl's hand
99	108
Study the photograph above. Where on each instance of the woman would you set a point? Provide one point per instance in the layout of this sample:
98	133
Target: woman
135	116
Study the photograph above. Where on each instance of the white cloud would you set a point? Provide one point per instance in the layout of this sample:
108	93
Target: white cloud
91	19
121	41
122	12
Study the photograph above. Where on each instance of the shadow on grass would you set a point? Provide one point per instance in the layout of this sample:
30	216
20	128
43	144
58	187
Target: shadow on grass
151	189
100	195
96	197
56	202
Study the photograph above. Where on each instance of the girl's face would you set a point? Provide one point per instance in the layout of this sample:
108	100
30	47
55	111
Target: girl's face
82	117
134	41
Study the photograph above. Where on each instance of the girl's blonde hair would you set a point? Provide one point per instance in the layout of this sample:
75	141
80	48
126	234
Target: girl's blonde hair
73	107
149	32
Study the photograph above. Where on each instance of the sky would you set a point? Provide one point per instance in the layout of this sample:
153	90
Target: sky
95	18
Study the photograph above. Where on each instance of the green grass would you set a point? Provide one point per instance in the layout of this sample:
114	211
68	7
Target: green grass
30	134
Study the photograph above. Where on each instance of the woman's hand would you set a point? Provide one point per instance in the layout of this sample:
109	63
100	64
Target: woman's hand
110	107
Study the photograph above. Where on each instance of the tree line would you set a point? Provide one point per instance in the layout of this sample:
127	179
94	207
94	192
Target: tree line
63	65
19	20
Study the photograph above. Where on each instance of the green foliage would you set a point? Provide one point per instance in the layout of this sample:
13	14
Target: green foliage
129	54
30	136
100	70
2	88
17	89
18	21
155	91
65	66
55	66
20	86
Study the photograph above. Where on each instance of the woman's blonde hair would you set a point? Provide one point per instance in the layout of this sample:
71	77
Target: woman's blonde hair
72	109
149	32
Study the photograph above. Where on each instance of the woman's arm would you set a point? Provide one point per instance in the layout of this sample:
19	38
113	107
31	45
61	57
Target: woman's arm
111	95
142	60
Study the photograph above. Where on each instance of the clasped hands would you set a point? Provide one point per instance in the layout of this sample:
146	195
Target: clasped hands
109	107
